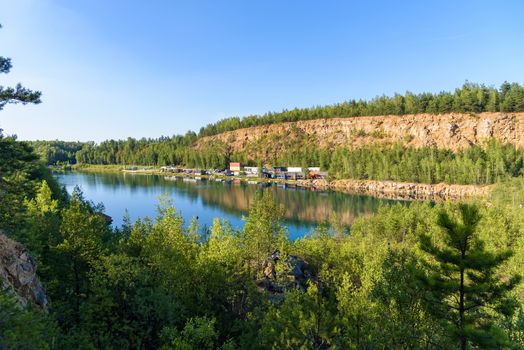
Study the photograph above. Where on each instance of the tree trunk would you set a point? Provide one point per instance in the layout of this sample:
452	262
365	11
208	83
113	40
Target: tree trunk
77	292
463	340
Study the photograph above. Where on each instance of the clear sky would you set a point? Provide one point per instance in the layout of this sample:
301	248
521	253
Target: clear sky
119	68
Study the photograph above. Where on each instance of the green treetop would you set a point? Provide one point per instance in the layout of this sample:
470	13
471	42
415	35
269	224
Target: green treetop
18	94
462	286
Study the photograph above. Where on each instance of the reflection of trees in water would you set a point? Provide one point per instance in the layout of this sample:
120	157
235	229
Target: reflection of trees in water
143	183
302	206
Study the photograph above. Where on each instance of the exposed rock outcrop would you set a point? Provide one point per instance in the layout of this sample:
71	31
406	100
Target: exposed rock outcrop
18	273
410	191
293	273
451	131
402	190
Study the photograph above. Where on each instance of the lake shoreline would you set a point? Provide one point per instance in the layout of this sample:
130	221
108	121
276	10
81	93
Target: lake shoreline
139	195
409	191
383	189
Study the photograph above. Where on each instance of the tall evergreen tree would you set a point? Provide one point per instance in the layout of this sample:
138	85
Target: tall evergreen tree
462	284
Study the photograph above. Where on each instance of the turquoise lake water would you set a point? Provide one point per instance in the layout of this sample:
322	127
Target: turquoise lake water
205	200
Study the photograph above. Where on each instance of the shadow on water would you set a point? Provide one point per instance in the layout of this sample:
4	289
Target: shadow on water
137	193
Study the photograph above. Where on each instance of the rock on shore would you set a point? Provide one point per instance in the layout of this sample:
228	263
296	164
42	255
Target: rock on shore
402	190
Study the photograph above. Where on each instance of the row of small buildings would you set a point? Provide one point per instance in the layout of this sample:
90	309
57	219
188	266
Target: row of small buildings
236	169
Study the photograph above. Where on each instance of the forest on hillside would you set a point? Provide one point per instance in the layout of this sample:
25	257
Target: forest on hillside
482	164
479	164
470	98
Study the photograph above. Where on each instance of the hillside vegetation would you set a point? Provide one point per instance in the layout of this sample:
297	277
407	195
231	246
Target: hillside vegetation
471	136
471	98
452	148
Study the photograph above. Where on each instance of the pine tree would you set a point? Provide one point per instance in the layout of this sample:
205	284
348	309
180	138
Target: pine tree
462	285
18	94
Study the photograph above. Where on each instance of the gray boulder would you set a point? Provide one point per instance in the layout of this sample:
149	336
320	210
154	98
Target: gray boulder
292	272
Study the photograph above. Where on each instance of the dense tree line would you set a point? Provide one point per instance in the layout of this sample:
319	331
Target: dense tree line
470	98
161	283
161	151
58	152
478	164
180	150
474	165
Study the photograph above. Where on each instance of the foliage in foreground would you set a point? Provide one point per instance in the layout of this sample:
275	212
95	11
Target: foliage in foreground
157	283
24	329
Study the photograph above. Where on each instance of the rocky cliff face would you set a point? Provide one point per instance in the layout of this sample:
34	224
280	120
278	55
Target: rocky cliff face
18	273
452	131
402	190
412	191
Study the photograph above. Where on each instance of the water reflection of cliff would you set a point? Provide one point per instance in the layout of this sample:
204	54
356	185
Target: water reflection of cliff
301	206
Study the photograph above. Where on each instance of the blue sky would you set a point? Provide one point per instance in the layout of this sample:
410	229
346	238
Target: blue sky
113	69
